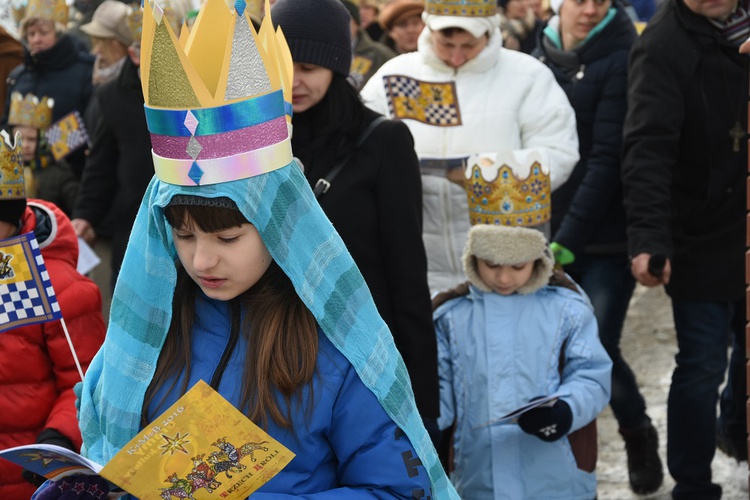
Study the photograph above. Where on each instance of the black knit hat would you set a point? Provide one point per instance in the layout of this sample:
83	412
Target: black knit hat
11	211
317	32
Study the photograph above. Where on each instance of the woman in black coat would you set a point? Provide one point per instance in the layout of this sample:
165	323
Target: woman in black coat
57	66
586	46
375	200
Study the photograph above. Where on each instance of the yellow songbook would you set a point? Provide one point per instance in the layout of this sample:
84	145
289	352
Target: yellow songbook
202	448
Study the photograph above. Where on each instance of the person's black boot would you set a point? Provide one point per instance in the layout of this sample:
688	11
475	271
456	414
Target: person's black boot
644	466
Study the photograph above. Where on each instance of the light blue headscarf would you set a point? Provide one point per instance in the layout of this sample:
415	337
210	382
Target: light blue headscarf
305	245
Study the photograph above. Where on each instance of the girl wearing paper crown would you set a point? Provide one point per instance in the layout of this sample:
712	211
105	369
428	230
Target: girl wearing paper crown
46	178
38	372
518	332
234	275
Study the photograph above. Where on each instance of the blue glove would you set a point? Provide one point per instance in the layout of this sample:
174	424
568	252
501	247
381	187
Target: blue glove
75	487
548	423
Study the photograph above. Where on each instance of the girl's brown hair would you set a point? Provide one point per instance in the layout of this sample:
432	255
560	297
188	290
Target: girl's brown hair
281	333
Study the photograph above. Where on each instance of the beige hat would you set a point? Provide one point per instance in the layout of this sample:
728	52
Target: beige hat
110	20
397	10
508	245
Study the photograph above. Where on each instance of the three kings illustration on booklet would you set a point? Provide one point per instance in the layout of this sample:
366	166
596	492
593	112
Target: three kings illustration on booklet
200	448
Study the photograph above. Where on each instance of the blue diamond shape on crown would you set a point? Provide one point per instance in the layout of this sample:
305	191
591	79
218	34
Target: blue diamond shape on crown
195	173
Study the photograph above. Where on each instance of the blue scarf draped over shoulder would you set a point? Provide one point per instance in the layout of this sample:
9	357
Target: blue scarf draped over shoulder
305	245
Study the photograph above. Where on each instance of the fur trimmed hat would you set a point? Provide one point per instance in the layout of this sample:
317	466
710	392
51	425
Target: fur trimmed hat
508	246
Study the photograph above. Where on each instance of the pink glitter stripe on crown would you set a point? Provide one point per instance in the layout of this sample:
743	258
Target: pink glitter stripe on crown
221	145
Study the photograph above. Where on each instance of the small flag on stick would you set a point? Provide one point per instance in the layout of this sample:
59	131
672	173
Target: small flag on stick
26	293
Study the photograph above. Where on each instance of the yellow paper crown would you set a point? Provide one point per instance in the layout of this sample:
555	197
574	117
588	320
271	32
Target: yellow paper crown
216	98
30	111
12	186
461	8
55	10
135	22
508	190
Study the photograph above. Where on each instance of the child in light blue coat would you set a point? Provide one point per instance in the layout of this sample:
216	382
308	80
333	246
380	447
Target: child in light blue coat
518	332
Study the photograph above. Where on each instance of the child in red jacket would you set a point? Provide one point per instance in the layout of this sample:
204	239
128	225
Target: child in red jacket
37	368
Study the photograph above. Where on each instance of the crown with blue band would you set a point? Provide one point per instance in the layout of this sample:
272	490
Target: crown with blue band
226	112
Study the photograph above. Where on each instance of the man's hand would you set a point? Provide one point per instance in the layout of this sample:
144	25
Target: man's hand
639	268
84	230
745	47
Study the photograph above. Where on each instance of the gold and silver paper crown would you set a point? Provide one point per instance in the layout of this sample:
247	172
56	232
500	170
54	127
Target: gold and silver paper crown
55	10
508	189
30	111
218	99
461	8
12	186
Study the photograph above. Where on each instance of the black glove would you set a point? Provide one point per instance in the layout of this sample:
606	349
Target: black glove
75	487
548	423
48	436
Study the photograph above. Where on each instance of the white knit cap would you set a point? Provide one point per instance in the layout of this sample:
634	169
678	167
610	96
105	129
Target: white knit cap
477	26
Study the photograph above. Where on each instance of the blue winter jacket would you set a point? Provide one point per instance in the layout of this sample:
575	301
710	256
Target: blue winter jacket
348	448
495	354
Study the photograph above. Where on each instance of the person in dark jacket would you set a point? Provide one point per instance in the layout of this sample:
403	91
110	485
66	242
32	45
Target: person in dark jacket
55	65
369	55
119	165
586	46
684	172
11	55
375	201
37	403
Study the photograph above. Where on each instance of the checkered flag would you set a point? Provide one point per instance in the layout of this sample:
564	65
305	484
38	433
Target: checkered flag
26	293
66	135
433	103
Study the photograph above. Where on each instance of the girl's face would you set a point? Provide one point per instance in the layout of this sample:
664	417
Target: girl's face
224	263
578	18
504	279
309	85
29	139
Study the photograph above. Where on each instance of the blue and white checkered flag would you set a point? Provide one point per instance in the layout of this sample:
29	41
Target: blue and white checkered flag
26	293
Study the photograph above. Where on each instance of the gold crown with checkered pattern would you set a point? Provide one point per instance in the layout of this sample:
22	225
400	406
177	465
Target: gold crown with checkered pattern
30	111
508	189
461	8
12	185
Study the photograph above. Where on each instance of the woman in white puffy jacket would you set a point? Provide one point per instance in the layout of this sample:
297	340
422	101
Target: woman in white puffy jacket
474	97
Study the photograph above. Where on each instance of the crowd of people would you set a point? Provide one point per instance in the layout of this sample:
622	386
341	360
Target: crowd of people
380	234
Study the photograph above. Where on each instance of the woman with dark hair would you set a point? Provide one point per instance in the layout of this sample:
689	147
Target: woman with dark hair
234	275
366	174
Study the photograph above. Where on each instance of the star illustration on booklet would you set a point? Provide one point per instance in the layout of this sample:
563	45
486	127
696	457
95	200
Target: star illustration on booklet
202	445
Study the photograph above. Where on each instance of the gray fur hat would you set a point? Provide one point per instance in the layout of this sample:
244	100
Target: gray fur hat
508	245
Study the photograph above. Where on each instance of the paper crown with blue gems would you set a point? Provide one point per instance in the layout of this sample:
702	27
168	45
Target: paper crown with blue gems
510	189
218	98
12	185
461	8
